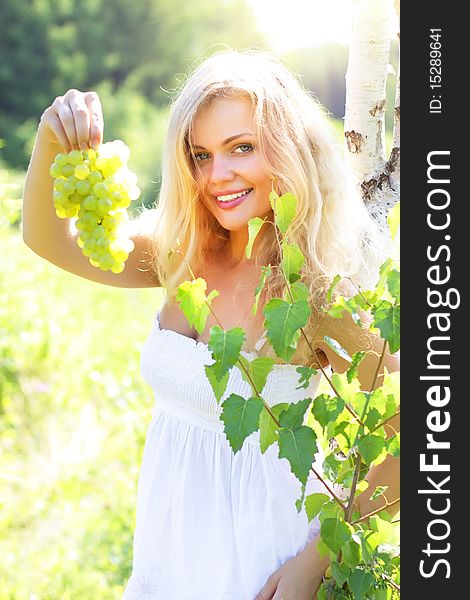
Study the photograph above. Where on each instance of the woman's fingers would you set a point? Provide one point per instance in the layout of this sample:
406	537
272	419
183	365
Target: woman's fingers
96	118
269	588
79	117
56	130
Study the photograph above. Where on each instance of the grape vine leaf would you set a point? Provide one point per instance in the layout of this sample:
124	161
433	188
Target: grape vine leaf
285	208
393	445
313	504
326	409
299	446
340	572
241	418
336	346
256	371
292	261
225	347
370	447
351	373
265	273
218	385
331	289
298	291
387	320
336	533
193	302
352	552
293	416
254	227
283	321
268	426
360	583
305	375
379	491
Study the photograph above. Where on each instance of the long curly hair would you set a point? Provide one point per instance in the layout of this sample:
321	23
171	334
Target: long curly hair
332	228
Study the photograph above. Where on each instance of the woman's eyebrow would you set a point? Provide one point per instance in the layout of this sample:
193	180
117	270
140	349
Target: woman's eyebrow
228	140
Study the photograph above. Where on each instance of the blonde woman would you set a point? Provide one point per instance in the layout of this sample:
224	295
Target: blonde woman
212	525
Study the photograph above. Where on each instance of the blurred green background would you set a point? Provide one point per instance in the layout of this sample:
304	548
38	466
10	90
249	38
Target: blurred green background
73	406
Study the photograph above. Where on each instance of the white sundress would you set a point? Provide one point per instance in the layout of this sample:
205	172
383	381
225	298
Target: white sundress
210	524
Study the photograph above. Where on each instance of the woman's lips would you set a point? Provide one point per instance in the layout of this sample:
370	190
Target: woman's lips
232	203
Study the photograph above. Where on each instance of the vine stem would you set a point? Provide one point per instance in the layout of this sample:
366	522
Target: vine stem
374	512
252	383
386	421
309	344
349	508
320	478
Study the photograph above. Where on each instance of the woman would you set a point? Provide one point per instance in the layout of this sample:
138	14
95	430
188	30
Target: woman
210	524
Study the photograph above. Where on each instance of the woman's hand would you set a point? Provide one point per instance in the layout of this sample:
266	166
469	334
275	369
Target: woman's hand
298	579
74	121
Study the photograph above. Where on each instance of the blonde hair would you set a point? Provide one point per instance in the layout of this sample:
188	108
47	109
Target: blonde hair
332	228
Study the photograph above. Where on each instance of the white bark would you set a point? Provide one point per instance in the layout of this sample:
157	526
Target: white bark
366	77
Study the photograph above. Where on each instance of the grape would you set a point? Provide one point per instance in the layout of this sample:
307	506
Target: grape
96	188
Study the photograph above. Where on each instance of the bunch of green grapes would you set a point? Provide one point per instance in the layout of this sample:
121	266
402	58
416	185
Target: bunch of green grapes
97	187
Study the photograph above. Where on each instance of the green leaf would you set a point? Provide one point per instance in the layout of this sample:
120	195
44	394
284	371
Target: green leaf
285	208
336	533
305	374
218	386
393	219
346	390
298	290
268	427
254	226
370	447
191	296
241	418
379	491
292	261
352	552
332	466
293	416
370	541
393	444
299	502
387	320
313	504
336	346
326	409
283	321
265	273
331	289
372	418
225	347
381	526
393	284
351	373
340	572
258	370
360	583
299	446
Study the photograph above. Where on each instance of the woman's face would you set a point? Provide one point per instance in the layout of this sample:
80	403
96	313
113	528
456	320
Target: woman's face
233	179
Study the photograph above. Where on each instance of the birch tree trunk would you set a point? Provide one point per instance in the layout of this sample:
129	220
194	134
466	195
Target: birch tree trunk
376	175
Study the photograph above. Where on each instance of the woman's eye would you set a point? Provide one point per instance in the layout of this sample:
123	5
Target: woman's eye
201	156
243	148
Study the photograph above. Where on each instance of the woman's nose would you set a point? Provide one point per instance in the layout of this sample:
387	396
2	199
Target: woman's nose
220	170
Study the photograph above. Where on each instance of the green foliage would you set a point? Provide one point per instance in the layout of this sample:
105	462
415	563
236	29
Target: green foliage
283	322
241	418
350	420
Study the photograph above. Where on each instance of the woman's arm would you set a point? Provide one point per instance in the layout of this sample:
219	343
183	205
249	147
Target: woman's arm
74	121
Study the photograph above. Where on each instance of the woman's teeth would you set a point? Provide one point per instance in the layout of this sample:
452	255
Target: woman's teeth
229	197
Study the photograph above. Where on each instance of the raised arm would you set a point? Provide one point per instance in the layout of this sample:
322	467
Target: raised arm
75	121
